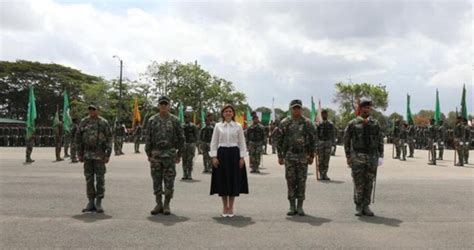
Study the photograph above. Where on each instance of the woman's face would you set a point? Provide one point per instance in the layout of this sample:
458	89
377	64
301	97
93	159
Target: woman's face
228	114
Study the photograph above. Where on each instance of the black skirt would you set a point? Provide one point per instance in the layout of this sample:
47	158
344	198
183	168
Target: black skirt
228	179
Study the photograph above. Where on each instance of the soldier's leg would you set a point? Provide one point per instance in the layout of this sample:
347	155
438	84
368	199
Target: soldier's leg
100	171
326	156
441	151
258	158
137	145
156	168
404	150
398	149
291	179
358	177
466	153
370	175
460	152
89	174
301	176
192	153
412	148
273	148
58	150
73	153
185	163
116	147
29	149
169	175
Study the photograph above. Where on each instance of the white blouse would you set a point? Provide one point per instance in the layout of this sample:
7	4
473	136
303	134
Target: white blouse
228	134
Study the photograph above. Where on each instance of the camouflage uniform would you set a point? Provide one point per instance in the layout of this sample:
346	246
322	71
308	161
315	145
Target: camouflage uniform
119	136
325	131
29	148
296	143
58	137
273	139
206	137
191	137
137	134
67	142
255	135
441	137
432	132
467	142
363	144
411	140
403	142
459	142
164	145
94	146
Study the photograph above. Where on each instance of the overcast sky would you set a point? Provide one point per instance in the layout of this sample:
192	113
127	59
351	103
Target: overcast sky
281	49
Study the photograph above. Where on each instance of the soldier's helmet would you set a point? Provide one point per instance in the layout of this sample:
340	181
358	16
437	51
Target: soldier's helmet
93	106
296	103
365	103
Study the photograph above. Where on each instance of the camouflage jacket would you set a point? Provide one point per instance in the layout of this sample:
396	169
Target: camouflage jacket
94	139
326	133
164	137
363	136
296	139
206	133
191	132
255	134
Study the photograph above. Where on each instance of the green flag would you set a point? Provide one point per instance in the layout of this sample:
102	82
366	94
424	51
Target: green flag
437	114
249	117
409	116
181	113
266	116
203	118
67	121
463	103
313	110
31	115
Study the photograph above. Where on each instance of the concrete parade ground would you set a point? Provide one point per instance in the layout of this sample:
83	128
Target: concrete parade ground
416	206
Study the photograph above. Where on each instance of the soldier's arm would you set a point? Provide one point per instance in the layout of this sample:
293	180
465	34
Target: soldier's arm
347	140
380	143
280	138
180	139
78	140
148	139
108	140
312	139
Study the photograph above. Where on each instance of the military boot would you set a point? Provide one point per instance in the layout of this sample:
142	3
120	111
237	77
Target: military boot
359	210
29	160
58	155
159	206
166	207
299	209
98	205
459	164
292	210
90	207
367	211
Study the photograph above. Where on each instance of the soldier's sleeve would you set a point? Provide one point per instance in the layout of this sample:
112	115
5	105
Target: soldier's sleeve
148	139
280	140
347	139
108	140
180	138
380	142
78	140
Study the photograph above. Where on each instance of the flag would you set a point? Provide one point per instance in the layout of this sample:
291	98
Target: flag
31	115
137	118
266	116
273	115
67	121
319	117
203	118
357	112
240	118
312	116
463	103
437	114
409	116
181	113
249	117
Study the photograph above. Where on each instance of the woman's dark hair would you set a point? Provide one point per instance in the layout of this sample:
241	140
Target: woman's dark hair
227	106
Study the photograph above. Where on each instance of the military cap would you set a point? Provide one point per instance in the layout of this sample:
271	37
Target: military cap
163	98
295	103
93	106
365	103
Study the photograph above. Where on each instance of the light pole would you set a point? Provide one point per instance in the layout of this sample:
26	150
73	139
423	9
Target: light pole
120	87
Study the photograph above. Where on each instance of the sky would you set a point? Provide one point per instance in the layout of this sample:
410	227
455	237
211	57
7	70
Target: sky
268	49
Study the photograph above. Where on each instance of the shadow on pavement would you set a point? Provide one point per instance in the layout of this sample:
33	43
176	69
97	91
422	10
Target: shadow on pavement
332	182
381	220
91	217
313	221
236	221
167	220
190	181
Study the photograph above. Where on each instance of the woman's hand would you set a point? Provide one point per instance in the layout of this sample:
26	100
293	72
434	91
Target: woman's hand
241	163
215	162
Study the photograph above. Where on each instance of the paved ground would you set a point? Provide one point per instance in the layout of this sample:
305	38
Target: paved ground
417	206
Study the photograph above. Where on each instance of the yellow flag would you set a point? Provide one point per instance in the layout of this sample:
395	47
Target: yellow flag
136	114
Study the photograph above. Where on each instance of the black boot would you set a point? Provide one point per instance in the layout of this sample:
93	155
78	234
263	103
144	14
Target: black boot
359	210
166	207
159	206
29	160
90	207
367	211
292	210
98	205
299	209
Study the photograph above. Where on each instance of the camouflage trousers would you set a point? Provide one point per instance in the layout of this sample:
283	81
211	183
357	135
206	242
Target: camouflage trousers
364	170
466	151
441	149
66	143
29	147
255	154
163	171
118	144
460	150
94	171
323	158
401	147
296	173
432	151
58	143
206	147
136	141
73	152
188	156
411	146
396	144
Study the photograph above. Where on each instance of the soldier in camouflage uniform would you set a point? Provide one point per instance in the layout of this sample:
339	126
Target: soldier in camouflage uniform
441	137
467	141
325	136
396	138
296	144
411	140
205	140
119	136
403	141
191	137
94	146
164	147
58	138
137	134
74	129
256	138
432	133
459	141
30	142
363	145
272	138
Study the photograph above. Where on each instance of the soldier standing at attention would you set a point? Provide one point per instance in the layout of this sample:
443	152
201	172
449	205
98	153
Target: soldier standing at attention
255	140
164	146
191	137
441	139
325	131
411	140
459	141
58	137
137	134
363	145
206	137
29	142
119	136
396	138
296	145
94	146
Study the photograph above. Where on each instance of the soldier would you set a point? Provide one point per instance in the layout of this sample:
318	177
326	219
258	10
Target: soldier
432	133
205	140
325	135
74	129
396	138
441	136
119	136
265	143
137	134
334	142
58	138
459	141
30	141
363	145
191	137
403	141
94	146
296	144
272	138
164	146
467	141
256	139
411	140
2	137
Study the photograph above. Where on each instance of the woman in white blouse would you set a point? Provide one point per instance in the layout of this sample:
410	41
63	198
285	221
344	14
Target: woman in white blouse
228	149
